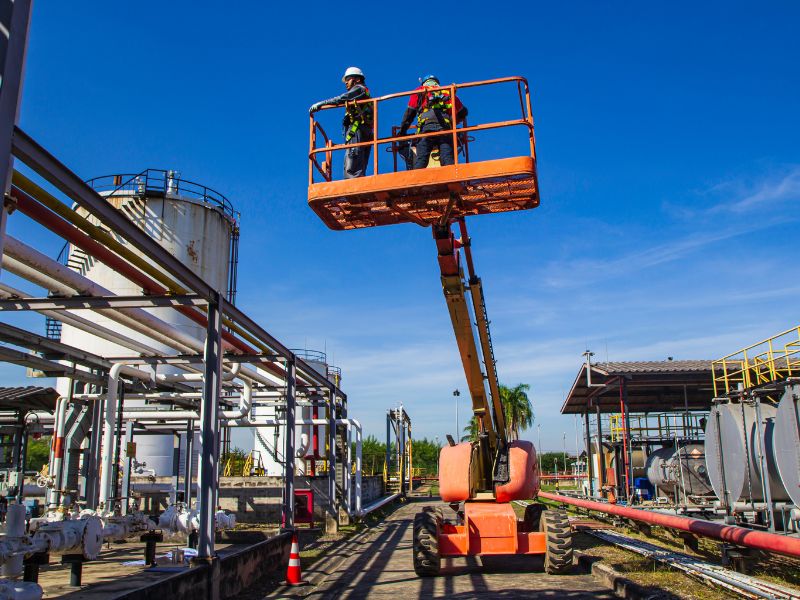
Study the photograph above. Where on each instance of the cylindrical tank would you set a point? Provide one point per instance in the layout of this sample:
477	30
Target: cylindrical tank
269	441
193	224
683	471
787	441
732	448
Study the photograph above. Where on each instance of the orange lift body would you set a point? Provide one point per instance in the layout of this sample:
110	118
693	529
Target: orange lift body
479	478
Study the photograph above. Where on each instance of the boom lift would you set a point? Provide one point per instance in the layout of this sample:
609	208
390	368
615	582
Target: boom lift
480	478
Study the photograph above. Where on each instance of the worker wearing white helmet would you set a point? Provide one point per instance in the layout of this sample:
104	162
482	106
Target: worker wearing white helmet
357	122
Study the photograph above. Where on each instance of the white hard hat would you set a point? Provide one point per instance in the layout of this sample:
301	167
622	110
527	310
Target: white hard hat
352	72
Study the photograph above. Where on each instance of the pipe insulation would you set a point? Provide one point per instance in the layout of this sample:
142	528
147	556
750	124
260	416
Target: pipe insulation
30	264
770	542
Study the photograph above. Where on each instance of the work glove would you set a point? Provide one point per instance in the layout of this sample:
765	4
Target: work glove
314	108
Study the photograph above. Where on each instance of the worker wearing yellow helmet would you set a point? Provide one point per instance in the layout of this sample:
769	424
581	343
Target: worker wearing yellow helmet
357	122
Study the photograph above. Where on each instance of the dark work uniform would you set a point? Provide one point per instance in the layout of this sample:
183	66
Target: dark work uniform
356	127
433	110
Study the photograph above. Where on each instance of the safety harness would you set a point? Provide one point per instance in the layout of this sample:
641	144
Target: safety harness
436	104
357	116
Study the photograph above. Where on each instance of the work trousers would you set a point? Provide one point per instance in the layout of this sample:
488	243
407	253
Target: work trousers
426	144
356	160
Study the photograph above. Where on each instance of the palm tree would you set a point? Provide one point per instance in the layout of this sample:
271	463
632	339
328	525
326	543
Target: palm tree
471	430
518	409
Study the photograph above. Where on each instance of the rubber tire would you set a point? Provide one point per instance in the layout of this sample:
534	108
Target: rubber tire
532	517
558	556
427	560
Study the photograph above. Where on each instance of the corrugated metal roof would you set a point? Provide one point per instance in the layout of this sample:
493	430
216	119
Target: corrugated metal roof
659	385
29	397
653	366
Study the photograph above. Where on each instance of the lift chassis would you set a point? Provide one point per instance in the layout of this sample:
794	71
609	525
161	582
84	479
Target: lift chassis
480	478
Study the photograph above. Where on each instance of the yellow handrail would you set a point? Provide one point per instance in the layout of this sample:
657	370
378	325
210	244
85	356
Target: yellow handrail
773	359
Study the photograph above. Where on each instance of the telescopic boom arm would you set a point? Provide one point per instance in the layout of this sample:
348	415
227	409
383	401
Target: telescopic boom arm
471	328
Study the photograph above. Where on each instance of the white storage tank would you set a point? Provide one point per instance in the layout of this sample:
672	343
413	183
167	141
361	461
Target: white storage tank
196	225
269	442
732	451
787	441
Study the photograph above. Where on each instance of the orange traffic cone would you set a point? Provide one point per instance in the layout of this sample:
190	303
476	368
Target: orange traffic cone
293	573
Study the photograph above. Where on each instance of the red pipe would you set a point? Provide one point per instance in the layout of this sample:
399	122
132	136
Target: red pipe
771	542
56	224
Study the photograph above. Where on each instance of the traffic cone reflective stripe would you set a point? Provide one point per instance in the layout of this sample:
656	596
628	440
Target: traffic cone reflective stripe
293	573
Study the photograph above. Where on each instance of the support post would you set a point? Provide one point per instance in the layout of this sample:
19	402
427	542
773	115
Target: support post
130	454
601	463
209	419
589	464
762	458
334	507
187	464
95	453
15	26
176	466
288	485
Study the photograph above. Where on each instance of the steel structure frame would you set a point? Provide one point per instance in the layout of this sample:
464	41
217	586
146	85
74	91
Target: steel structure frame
270	353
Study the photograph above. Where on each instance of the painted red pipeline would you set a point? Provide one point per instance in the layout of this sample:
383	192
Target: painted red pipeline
771	542
56	224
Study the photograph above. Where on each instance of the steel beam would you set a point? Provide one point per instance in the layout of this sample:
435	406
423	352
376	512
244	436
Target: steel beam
48	166
334	505
52	369
96	302
14	27
289	446
40	343
209	426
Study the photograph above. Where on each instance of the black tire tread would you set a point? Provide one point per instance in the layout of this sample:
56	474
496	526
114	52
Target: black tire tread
558	556
427	560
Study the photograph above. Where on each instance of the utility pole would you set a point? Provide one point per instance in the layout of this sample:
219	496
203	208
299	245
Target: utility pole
456	394
539	444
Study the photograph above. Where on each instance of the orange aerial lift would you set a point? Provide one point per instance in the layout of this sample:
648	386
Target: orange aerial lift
479	478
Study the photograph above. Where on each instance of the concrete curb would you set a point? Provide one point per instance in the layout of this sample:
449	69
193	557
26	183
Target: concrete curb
617	582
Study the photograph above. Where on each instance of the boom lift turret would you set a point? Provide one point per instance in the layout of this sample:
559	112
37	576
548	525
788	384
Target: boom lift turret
479	478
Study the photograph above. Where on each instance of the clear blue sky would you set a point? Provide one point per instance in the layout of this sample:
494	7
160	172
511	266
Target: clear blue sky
668	155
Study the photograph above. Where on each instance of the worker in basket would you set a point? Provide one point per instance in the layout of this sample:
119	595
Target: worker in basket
357	122
433	109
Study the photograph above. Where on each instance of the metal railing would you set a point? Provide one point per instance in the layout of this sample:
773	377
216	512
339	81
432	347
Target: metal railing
162	182
327	147
774	359
315	355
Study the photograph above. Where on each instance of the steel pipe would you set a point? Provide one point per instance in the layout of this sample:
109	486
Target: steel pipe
770	542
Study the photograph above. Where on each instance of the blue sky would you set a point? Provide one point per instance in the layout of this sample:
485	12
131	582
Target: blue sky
668	158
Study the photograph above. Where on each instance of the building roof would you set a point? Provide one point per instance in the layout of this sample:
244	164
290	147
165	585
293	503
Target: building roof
651	386
28	398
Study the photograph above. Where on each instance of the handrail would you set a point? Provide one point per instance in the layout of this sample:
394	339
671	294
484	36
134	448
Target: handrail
525	120
759	363
162	181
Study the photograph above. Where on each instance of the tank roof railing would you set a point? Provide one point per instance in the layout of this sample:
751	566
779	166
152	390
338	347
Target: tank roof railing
313	355
162	182
458	133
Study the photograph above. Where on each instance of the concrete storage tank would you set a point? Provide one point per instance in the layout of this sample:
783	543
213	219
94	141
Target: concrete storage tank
193	223
683	472
732	450
787	441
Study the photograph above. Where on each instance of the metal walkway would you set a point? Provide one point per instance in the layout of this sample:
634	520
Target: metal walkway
377	564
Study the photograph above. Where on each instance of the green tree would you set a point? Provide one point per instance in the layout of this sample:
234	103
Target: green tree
38	453
425	456
373	454
471	430
517	408
547	462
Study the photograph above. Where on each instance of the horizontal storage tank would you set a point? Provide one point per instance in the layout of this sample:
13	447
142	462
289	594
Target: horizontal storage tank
787	441
683	472
732	447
